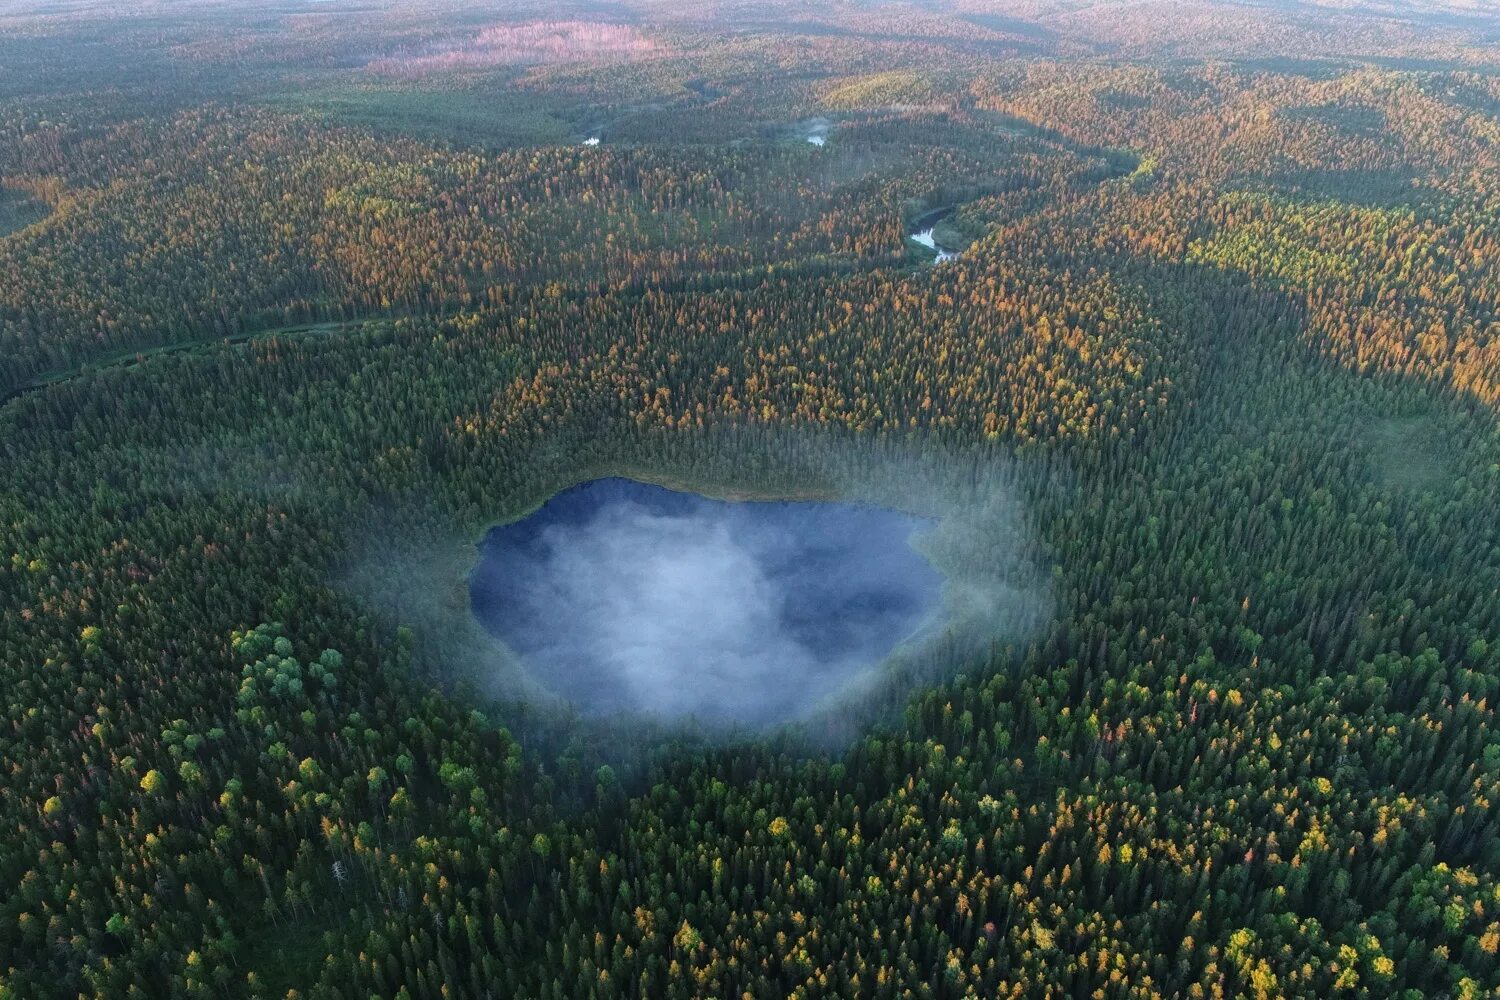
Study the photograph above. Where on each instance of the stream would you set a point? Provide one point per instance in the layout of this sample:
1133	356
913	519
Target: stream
922	235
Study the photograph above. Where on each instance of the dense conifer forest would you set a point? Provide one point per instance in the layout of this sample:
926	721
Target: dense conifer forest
297	298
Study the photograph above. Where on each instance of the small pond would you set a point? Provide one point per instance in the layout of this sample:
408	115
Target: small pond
622	597
812	130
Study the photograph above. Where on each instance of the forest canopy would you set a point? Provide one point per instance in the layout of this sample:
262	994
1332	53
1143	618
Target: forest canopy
298	300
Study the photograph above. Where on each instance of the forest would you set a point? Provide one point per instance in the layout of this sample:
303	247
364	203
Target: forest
299	299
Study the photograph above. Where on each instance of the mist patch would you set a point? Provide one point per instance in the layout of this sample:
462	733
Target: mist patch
626	598
1409	452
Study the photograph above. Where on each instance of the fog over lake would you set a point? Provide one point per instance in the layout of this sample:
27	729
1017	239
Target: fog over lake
623	597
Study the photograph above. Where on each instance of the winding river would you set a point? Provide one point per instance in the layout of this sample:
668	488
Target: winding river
922	234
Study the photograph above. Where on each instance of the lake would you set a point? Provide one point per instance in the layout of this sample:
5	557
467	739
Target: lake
627	598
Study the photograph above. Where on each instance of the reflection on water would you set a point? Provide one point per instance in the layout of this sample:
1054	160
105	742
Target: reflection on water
925	238
623	597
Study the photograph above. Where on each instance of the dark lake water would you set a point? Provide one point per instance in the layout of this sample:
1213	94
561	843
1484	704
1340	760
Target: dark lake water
624	597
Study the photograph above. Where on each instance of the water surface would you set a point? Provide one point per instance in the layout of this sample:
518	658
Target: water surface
926	239
924	233
622	597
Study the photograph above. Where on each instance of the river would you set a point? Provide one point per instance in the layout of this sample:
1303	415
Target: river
922	234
